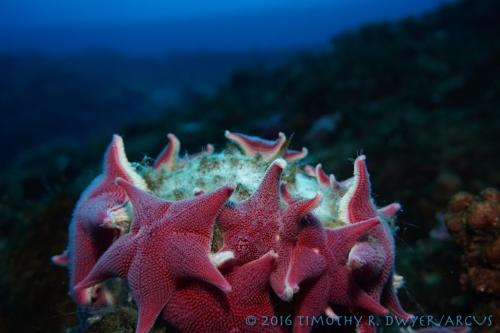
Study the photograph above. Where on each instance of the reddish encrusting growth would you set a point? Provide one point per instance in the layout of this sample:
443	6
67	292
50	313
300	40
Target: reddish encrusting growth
272	243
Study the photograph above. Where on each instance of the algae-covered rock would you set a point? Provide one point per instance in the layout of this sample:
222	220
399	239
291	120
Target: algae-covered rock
474	222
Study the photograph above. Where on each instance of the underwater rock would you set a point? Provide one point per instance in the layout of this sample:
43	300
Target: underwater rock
474	222
207	239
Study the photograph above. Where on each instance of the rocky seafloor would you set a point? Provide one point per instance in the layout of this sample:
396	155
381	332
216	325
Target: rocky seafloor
412	95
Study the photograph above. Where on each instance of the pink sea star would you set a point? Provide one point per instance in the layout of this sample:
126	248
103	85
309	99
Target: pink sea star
362	270
100	217
317	256
168	242
251	227
371	259
269	150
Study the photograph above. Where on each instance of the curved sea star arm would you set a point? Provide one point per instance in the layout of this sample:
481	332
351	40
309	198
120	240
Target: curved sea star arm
360	299
311	302
390	210
192	261
305	263
267	194
147	208
357	205
366	260
61	260
203	209
295	155
391	301
115	262
152	288
252	145
116	165
168	156
255	274
342	239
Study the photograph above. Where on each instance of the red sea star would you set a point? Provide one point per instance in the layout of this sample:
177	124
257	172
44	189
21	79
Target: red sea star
371	259
269	150
251	227
168	242
99	218
201	308
316	257
366	280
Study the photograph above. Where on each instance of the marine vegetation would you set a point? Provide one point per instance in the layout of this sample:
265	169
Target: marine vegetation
206	241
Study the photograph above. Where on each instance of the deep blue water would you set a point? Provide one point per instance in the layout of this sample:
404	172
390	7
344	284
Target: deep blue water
133	27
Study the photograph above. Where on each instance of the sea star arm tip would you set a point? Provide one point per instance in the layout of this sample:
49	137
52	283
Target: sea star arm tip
168	156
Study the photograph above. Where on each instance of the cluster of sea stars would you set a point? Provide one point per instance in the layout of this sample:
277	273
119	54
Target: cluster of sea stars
273	241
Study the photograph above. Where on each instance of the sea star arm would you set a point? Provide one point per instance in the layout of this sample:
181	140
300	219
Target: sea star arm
390	210
261	206
305	263
286	241
107	211
168	156
311	302
192	261
203	209
391	301
252	145
61	260
255	274
321	175
115	262
267	194
366	260
295	212
357	205
116	165
151	285
326	180
295	155
342	239
147	209
360	299
285	194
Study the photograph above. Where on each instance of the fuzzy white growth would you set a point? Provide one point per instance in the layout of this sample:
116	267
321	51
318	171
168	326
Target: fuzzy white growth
217	259
307	187
280	162
273	254
209	172
398	281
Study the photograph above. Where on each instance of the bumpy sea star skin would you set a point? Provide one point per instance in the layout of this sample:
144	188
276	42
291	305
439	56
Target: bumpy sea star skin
168	156
318	255
332	249
371	259
100	217
251	227
269	150
199	307
168	241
